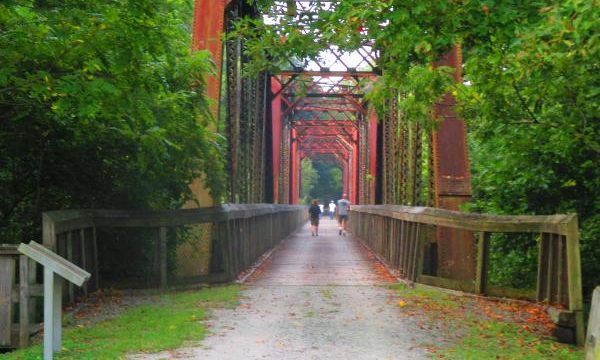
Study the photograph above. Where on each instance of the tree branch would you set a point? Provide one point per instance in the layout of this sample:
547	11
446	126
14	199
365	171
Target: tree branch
523	102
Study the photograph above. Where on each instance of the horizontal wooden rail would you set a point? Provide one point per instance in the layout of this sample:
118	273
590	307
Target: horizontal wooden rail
558	224
70	220
402	234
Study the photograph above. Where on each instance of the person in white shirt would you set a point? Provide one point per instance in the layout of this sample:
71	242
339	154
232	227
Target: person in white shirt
331	209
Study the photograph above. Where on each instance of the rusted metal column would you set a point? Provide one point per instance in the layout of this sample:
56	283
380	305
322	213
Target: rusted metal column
284	178
295	171
345	177
372	145
209	19
363	159
390	157
452	180
234	100
354	171
450	153
207	31
276	137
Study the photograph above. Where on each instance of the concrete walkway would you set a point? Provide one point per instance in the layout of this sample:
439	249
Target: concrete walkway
315	298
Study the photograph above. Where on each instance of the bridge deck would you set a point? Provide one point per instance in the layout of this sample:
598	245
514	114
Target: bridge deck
327	259
317	298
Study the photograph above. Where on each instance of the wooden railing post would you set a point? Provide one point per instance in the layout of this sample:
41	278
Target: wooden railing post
96	272
416	252
69	245
48	232
574	278
483	254
162	254
24	310
84	260
422	246
7	279
592	344
542	266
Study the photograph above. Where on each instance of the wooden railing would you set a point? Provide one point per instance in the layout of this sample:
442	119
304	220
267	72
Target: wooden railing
401	235
241	233
17	287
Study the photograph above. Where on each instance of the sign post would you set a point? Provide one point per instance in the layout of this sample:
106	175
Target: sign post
56	268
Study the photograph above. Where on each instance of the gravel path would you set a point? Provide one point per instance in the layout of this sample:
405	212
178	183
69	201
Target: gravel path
316	298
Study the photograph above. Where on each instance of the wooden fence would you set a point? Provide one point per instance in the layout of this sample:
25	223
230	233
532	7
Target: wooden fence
241	234
401	235
18	292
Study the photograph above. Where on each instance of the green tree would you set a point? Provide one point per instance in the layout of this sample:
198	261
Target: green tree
329	186
101	105
535	127
310	177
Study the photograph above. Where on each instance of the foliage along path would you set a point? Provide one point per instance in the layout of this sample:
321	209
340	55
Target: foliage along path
327	297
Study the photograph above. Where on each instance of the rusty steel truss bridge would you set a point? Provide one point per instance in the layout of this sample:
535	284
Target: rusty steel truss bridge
318	109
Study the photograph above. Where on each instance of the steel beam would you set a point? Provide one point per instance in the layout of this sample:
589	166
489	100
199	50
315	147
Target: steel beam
207	34
452	180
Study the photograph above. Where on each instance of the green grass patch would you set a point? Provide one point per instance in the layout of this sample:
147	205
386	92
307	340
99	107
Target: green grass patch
469	334
166	324
424	294
327	293
310	314
502	340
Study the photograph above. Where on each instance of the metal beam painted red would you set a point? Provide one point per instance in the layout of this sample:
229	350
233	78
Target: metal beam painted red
452	180
353	183
295	171
451	160
372	154
276	127
207	31
207	34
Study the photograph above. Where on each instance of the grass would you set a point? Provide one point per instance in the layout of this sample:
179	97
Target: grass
310	314
327	293
481	329
174	319
502	340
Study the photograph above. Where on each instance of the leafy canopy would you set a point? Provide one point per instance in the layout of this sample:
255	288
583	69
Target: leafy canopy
531	93
101	105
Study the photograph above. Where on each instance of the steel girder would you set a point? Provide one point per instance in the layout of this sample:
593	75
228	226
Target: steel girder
246	119
323	105
402	158
319	98
452	181
327	91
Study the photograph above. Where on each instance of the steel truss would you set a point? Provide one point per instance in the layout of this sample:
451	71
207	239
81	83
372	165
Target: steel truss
403	157
317	108
324	98
246	119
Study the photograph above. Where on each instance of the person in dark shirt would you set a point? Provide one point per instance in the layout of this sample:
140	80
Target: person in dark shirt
314	211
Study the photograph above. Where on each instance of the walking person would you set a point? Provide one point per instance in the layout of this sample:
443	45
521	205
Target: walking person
343	206
331	209
314	211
